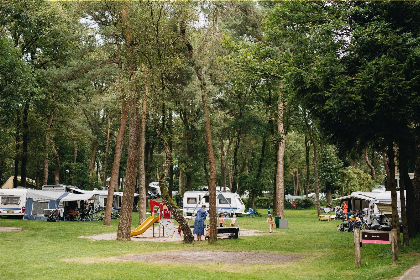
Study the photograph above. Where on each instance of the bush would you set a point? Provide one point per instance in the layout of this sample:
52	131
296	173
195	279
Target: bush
260	202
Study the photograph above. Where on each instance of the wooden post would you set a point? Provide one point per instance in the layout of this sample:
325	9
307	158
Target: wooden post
394	245
357	255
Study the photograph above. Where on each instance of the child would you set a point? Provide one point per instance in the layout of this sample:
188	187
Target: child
207	234
233	221
222	220
271	221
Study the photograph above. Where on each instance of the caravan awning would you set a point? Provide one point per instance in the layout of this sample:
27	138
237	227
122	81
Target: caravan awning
76	197
37	194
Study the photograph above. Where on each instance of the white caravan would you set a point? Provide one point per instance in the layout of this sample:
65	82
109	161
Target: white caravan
226	202
12	202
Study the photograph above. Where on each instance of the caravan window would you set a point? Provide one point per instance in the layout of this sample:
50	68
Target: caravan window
223	201
206	199
191	200
8	200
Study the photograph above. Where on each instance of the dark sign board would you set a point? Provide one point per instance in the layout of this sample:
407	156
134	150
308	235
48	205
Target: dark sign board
375	237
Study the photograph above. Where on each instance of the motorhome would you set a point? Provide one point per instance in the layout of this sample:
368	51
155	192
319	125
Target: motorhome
12	202
226	202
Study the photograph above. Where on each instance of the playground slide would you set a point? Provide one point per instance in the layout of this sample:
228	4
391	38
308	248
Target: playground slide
145	225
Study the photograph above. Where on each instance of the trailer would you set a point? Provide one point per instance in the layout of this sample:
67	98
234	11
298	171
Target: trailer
12	202
226	202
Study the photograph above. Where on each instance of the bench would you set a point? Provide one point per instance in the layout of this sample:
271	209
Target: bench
234	230
324	218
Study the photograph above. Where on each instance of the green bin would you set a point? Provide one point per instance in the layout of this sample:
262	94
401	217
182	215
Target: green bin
277	220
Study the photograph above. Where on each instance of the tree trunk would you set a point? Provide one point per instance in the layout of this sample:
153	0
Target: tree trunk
315	160
106	152
25	134
74	163
393	188
142	170
280	161
171	168
124	225
328	193
176	214
47	143
372	169
114	181
235	162
181	183
416	183
57	165
209	145
17	150
387	170
212	165
403	171
307	150
93	150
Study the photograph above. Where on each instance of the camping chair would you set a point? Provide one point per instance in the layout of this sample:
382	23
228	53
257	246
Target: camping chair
251	212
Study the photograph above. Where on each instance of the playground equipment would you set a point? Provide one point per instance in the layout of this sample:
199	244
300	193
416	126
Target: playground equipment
163	217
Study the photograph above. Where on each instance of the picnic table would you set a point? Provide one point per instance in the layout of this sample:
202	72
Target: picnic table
324	218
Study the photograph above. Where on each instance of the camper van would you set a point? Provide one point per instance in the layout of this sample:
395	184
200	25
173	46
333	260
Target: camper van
12	202
226	202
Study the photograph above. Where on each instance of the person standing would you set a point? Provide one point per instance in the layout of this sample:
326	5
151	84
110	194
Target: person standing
270	220
199	222
345	209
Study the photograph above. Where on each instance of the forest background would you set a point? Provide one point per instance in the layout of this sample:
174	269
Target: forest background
260	97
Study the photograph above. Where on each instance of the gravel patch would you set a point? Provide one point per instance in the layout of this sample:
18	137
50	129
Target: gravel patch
147	236
10	229
194	257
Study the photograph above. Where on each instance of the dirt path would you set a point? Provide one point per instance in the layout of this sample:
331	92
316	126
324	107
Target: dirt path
232	257
147	236
9	229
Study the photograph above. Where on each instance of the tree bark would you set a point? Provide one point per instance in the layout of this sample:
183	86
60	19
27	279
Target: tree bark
393	188
315	160
17	150
142	170
93	150
107	151
124	225
113	182
372	169
416	183
328	193
280	161
176	214
235	162
74	163
57	165
209	144
387	170
307	150
47	143
25	135
403	171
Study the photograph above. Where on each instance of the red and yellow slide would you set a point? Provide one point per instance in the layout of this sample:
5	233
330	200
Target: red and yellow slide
145	225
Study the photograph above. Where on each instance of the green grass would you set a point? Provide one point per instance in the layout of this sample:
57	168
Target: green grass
54	251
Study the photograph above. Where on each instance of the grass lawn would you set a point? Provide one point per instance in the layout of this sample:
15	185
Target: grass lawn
45	250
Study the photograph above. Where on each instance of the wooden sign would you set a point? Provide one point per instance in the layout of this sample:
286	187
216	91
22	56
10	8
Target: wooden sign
375	237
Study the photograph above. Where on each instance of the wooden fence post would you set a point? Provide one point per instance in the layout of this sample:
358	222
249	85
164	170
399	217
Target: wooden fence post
357	255
394	245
